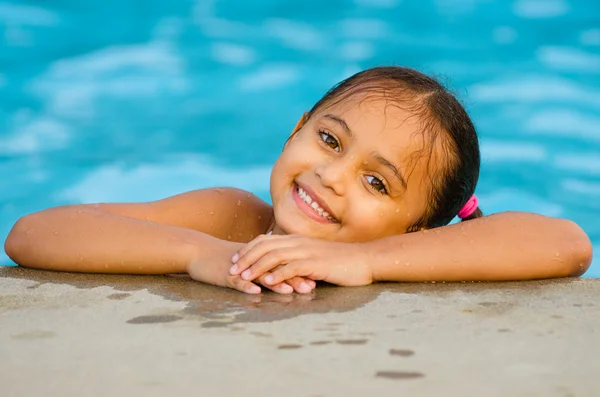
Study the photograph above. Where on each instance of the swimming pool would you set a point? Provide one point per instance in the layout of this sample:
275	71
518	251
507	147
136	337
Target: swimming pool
137	100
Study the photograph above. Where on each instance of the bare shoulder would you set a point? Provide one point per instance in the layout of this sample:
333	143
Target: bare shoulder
226	213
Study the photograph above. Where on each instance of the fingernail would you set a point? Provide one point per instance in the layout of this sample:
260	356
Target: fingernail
246	274
304	287
255	289
268	279
287	288
312	283
235	258
233	269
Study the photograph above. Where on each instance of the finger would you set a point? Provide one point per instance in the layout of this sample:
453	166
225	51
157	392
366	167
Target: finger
280	288
269	261
312	283
258	250
288	271
242	251
243	285
300	285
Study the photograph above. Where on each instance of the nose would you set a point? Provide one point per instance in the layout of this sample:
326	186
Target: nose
334	174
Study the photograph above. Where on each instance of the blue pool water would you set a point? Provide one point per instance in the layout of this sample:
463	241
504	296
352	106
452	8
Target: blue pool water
136	100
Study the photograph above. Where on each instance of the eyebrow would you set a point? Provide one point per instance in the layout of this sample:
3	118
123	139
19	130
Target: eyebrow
341	122
391	166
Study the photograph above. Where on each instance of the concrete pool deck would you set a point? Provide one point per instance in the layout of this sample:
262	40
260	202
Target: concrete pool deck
68	335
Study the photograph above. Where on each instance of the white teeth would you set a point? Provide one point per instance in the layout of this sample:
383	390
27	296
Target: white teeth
313	204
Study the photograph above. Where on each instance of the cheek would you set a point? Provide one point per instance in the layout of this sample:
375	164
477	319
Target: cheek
372	219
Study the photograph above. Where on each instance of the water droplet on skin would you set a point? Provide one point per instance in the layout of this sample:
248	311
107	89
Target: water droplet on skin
229	237
397	210
235	215
198	213
28	232
79	212
433	282
397	261
55	233
239	202
471	241
365	162
106	266
212	212
407	264
212	224
259	217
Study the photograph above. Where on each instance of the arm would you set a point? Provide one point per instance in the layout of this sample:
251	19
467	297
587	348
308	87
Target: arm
504	246
166	236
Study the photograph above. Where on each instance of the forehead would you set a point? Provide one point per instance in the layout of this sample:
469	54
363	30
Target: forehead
401	127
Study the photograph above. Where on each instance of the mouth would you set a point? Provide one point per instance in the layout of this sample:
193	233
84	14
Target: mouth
312	205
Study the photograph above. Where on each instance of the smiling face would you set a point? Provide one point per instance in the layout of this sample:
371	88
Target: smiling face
355	171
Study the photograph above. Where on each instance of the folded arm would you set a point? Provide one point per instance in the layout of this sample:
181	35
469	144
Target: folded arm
505	246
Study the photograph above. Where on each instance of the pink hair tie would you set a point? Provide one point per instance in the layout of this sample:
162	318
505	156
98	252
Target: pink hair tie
470	207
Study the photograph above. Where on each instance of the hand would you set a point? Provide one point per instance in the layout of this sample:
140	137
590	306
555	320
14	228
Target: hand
214	270
291	256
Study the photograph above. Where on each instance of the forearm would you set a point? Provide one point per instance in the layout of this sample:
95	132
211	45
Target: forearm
82	239
506	246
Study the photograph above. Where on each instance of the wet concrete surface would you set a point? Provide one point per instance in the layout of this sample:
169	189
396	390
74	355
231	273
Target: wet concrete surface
94	335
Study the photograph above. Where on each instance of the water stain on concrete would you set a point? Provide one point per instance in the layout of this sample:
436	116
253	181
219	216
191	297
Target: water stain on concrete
33	335
153	319
261	334
399	375
320	342
222	307
401	352
352	341
118	296
289	347
504	330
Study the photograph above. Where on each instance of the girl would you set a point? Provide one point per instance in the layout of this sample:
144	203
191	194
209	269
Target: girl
362	192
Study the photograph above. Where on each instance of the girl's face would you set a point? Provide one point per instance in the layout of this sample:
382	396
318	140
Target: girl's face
355	171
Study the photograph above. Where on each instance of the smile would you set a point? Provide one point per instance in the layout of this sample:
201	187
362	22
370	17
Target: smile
310	205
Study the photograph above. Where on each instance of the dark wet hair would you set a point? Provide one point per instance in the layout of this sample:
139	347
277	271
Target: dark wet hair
439	111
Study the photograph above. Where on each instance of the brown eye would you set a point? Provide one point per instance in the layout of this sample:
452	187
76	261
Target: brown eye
377	184
329	140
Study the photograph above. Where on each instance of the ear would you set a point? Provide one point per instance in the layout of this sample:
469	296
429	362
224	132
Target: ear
297	128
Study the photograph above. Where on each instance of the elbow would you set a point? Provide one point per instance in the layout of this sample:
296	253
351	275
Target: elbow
14	244
579	249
